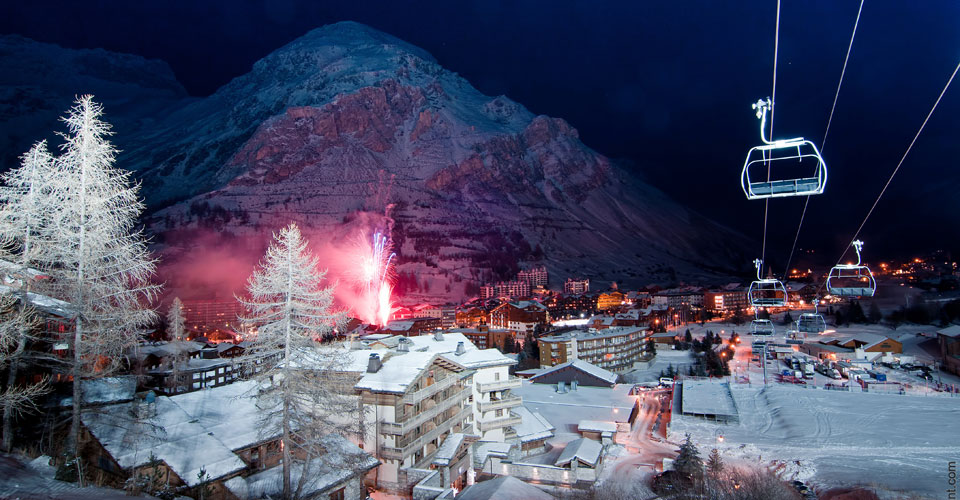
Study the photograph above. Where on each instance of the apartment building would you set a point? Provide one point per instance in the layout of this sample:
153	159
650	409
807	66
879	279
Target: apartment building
537	277
576	286
615	349
725	300
521	316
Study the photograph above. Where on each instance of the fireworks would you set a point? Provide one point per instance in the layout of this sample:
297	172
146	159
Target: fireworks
374	280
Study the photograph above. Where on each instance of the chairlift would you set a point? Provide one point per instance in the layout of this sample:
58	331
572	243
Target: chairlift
762	327
812	322
852	280
766	292
795	333
766	167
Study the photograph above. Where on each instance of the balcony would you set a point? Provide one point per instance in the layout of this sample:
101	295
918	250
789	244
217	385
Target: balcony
398	453
401	428
499	385
500	422
507	402
430	390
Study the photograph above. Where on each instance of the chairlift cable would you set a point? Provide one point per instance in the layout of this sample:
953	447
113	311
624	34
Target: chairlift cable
773	97
897	169
823	143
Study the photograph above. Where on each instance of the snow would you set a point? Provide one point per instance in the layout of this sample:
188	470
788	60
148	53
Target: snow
583	366
707	397
950	331
448	449
429	343
503	488
397	372
587	450
532	425
171	435
565	411
479	358
44	303
597	426
342	461
838	438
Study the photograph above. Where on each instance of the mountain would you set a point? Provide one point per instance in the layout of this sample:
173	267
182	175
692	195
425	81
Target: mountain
39	81
348	130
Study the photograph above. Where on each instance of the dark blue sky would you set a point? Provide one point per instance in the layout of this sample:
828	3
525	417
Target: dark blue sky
664	85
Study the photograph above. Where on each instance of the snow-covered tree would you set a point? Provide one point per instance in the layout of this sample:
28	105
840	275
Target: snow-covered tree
688	461
97	258
714	463
25	204
300	393
175	319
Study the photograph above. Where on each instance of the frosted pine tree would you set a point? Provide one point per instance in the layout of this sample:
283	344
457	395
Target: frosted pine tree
175	331
175	320
96	256
300	393
25	204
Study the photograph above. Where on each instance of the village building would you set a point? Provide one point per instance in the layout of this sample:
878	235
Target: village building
522	316
574	373
949	339
616	349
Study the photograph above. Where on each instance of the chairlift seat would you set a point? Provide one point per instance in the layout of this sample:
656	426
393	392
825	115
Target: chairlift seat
850	280
811	323
762	327
786	187
767	293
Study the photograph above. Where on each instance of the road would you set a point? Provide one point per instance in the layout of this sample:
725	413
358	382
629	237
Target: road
646	446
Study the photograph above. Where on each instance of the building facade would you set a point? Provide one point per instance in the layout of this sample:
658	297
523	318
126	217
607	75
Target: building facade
576	286
615	349
537	277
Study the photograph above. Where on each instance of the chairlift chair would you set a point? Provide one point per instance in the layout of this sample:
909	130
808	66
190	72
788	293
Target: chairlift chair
766	292
852	280
764	170
762	327
795	333
812	322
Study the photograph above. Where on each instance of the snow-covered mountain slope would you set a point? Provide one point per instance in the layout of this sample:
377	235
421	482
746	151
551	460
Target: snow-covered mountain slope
39	82
346	124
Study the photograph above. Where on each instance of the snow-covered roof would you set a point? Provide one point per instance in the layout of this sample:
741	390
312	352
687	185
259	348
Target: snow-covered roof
632	314
399	325
447	343
582	335
586	450
165	349
171	435
950	331
523	304
45	304
483	450
532	427
106	390
195	365
397	372
447	450
479	358
342	461
596	426
579	364
334	358
503	488
706	397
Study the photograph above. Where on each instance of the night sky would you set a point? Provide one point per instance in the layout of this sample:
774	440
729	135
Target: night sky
664	86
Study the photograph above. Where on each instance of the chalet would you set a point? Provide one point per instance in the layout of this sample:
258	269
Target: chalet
581	452
664	337
872	343
598	430
578	371
411	327
949	339
522	316
213	439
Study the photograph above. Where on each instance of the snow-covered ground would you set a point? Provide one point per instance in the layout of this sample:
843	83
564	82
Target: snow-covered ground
829	438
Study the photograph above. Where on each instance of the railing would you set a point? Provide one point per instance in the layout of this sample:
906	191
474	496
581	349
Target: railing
507	402
401	428
500	385
430	390
500	422
398	453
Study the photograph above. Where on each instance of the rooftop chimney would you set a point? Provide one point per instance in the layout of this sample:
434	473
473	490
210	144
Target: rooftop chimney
402	345
574	353
374	364
438	336
460	349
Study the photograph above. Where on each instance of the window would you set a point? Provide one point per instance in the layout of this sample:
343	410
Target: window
496	376
499	413
339	494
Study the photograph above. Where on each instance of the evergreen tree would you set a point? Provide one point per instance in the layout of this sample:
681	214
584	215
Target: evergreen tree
299	396
874	316
787	318
687	336
651	346
714	463
25	205
97	260
688	461
670	372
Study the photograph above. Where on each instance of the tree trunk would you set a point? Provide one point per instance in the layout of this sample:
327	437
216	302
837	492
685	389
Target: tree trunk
285	443
8	404
73	439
